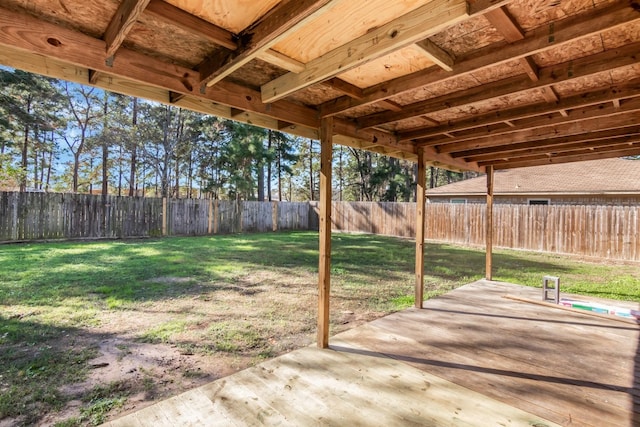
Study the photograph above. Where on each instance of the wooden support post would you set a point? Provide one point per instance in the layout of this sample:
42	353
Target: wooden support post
324	267
274	216
164	216
420	208
489	224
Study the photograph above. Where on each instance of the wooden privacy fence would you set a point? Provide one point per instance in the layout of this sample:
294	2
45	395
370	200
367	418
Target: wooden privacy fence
44	216
599	231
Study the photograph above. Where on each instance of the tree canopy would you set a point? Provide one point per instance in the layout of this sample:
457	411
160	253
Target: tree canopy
59	136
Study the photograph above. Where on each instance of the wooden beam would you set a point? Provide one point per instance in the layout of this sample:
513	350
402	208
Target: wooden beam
580	157
558	149
449	162
142	74
27	33
420	212
549	94
616	120
344	87
505	24
284	19
217	35
93	76
530	67
565	31
401	32
175	97
631	89
276	58
547	144
436	54
121	23
489	226
390	105
324	267
517	85
172	15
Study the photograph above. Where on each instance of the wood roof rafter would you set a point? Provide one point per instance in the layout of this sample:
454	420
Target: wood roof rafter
565	31
548	76
588	154
585	114
284	19
615	120
461	80
426	134
401	32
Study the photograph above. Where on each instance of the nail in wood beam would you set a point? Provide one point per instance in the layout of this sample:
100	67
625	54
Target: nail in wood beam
489	225
420	208
324	267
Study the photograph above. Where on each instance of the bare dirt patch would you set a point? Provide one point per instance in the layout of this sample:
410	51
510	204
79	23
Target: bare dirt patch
161	348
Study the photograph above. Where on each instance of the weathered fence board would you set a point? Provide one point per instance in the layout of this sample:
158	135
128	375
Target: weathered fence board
598	231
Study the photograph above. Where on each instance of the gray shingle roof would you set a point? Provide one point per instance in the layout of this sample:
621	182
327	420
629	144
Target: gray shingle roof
591	177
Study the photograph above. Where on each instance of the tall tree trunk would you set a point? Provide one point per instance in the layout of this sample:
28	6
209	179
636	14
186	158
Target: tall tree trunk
269	165
46	188
134	150
279	172
35	159
25	150
260	181
105	148
90	173
120	171
76	167
432	177
43	165
190	174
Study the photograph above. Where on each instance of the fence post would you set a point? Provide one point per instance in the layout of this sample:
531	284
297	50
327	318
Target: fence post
164	216
210	216
274	216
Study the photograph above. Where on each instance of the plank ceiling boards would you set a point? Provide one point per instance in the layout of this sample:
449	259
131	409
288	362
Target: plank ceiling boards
472	83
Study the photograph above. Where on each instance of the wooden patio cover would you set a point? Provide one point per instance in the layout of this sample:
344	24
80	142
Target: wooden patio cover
462	84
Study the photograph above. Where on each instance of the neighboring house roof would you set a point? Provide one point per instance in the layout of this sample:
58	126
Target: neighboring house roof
610	176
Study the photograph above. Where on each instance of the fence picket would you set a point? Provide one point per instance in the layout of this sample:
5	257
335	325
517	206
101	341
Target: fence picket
600	231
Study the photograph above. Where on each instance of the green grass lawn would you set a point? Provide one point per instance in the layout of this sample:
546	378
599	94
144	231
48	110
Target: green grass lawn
238	295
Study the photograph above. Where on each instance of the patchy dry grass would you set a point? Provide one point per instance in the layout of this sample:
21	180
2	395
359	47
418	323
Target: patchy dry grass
89	330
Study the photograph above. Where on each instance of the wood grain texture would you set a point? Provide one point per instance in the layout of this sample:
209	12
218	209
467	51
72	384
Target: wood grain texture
457	371
399	33
324	268
122	22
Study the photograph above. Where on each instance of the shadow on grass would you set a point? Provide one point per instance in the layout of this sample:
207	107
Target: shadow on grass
47	274
36	361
